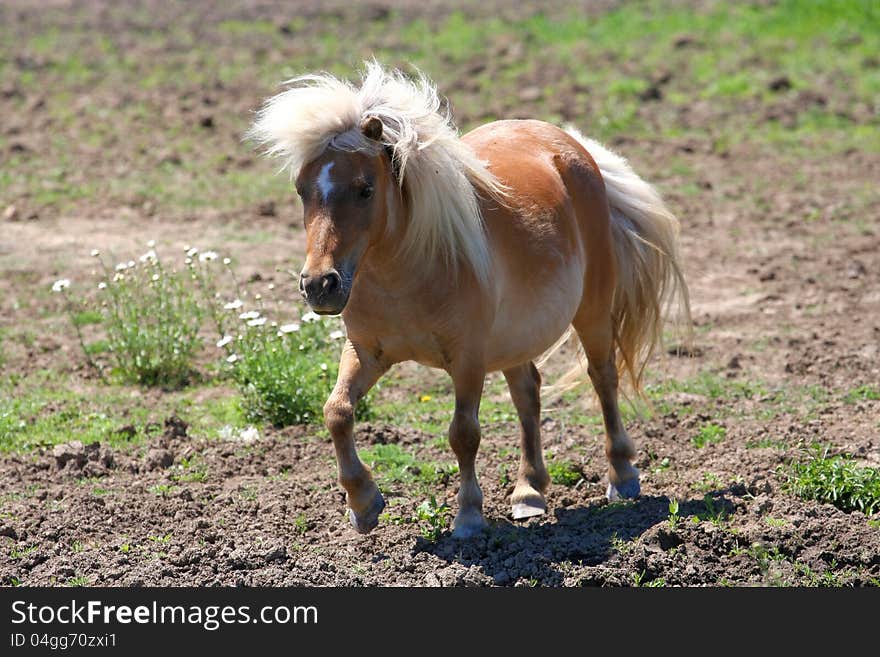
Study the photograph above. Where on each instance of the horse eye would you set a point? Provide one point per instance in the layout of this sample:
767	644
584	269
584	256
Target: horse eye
367	191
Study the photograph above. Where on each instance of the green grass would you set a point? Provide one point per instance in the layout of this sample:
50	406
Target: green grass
162	490
712	511
301	524
190	470
837	480
862	393
23	552
285	373
47	407
152	317
433	517
564	473
392	464
708	434
674	516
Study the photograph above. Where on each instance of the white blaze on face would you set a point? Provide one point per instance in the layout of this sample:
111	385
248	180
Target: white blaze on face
325	185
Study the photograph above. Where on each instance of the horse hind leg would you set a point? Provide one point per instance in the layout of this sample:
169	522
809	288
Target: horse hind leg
524	383
597	336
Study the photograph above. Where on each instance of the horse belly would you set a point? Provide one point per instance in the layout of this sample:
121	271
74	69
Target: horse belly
532	315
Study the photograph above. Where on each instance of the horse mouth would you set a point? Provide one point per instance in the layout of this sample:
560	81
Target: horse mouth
328	304
324	310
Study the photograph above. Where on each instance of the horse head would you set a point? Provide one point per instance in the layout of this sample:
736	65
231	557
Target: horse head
345	206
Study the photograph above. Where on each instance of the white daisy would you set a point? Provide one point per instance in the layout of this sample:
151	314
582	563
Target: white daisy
95	253
61	284
207	256
233	305
232	358
311	316
250	314
289	328
225	340
259	321
102	285
335	335
249	435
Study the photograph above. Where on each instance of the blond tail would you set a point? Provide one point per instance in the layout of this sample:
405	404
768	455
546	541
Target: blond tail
650	284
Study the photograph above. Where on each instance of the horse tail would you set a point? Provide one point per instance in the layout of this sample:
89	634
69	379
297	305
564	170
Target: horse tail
650	284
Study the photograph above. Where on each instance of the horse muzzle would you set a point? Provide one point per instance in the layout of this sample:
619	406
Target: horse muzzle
326	293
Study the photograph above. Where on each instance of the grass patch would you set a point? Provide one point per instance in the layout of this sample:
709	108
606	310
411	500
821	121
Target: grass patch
862	393
708	434
151	315
190	470
392	464
433	517
23	552
162	490
46	407
837	480
564	473
285	373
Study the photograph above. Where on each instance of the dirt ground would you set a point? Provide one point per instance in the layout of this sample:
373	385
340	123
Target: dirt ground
781	255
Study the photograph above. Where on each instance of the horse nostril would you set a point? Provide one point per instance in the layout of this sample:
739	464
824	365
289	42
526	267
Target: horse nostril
330	283
302	282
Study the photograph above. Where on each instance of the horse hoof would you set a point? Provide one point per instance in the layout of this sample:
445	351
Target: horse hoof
468	525
529	509
628	490
366	522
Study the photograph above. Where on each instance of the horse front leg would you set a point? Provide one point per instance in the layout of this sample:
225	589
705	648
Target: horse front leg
524	383
464	438
358	372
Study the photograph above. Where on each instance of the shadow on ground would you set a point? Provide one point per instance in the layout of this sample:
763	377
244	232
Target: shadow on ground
584	536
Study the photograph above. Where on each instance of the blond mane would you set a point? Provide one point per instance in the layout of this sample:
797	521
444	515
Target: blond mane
440	175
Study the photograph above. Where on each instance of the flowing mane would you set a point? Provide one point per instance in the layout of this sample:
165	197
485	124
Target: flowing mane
439	174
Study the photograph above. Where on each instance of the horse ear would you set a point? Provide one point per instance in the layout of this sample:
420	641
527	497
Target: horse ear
372	128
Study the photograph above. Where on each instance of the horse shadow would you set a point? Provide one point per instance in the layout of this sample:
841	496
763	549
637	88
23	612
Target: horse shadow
586	536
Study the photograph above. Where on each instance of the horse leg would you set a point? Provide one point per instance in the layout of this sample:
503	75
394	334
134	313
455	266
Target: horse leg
358	371
597	336
524	383
464	438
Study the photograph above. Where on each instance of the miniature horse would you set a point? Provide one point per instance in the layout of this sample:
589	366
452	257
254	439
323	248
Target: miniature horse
471	254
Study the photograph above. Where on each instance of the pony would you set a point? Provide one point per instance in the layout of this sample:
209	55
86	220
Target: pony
473	254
